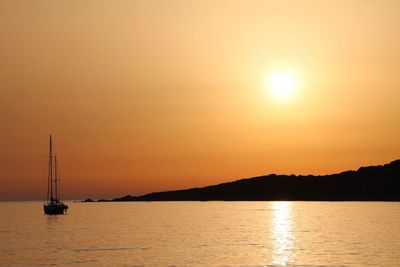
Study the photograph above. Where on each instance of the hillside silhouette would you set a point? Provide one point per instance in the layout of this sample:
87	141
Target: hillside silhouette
374	183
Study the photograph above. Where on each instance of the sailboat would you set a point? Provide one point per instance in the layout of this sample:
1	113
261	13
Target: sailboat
53	205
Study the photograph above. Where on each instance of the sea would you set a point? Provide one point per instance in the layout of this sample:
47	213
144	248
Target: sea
251	234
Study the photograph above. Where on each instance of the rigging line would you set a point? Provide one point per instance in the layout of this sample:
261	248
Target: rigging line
44	180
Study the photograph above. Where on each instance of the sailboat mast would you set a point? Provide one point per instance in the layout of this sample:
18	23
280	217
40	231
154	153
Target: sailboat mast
48	176
51	169
55	176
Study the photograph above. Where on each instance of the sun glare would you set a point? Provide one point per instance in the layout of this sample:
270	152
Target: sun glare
282	85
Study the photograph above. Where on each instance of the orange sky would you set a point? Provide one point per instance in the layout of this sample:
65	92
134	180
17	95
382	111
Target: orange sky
153	95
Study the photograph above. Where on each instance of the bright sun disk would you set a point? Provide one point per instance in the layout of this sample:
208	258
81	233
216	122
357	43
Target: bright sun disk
282	85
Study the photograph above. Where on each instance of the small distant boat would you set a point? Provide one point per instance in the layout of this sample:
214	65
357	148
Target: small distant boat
53	205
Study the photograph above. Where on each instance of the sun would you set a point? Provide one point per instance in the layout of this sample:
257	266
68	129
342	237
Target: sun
282	85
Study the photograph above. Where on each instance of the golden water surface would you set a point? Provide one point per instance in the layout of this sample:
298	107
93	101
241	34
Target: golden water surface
202	234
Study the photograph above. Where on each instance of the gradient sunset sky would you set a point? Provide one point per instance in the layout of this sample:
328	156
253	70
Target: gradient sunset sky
152	95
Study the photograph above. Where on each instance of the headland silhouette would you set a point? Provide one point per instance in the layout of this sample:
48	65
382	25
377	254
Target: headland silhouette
373	183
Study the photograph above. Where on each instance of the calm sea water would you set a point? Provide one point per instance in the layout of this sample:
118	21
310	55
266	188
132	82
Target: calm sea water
202	234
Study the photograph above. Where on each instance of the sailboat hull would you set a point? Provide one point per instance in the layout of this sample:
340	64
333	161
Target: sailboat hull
55	209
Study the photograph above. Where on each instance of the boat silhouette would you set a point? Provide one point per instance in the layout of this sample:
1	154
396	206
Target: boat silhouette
52	205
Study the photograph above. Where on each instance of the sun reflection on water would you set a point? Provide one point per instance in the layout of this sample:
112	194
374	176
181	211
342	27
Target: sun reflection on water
281	232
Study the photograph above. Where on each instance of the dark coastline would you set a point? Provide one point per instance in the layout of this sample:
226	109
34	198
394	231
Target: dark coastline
374	183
